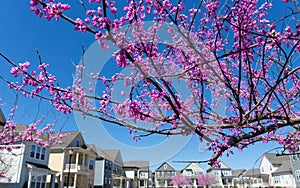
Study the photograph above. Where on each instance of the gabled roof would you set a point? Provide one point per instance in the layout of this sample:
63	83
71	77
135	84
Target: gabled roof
142	165
165	167
66	141
222	166
99	152
255	173
276	160
284	167
115	155
191	164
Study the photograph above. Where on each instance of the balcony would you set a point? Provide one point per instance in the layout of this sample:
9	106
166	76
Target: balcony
74	168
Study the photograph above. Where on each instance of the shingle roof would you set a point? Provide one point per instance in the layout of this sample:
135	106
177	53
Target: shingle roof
197	164
223	166
256	173
70	136
169	167
99	152
276	160
142	165
284	167
237	173
252	172
113	154
41	166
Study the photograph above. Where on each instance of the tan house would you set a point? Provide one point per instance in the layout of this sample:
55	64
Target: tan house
74	162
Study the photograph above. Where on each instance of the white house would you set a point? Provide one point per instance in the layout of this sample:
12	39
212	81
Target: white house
26	165
192	170
254	179
223	175
279	170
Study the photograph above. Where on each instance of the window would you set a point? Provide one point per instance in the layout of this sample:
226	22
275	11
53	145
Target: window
297	175
142	183
142	174
172	173
276	179
189	172
270	168
38	181
38	152
91	164
262	169
77	143
294	157
43	154
32	152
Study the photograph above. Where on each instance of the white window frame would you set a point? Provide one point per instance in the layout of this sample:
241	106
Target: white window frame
297	175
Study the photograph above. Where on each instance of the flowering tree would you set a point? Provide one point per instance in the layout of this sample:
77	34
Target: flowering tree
235	51
206	180
180	180
12	132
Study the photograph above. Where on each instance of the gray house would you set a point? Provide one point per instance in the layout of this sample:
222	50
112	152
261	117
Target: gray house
103	168
164	174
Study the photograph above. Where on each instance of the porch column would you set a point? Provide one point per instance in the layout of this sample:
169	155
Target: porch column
77	158
83	160
29	179
52	181
75	179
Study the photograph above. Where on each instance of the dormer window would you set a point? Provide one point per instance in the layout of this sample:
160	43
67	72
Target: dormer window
77	143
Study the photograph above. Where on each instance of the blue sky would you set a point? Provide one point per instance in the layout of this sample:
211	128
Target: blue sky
22	32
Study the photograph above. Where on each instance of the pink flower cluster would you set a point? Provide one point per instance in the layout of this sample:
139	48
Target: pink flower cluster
49	10
39	82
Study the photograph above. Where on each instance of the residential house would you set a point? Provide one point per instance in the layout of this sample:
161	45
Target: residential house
164	174
73	161
237	177
103	168
26	165
279	170
223	174
254	179
118	176
138	174
193	170
295	162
